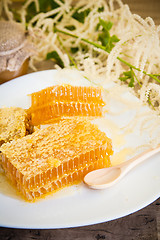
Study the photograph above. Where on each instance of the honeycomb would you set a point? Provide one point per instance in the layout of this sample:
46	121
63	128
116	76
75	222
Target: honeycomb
56	156
14	123
65	101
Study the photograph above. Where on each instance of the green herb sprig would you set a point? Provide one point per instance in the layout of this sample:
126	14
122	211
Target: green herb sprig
55	56
128	75
153	76
107	44
104	37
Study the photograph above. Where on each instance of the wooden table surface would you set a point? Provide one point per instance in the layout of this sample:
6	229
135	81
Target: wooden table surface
142	225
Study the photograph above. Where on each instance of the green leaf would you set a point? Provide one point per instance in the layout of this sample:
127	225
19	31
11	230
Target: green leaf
44	6
123	78
101	9
98	26
104	38
54	55
131	83
106	25
80	16
70	27
128	74
74	49
31	11
16	15
114	38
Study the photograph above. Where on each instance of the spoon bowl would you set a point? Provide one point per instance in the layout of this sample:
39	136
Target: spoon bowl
106	177
98	179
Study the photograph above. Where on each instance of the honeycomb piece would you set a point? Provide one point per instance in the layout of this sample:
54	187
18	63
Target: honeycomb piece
65	101
14	123
56	156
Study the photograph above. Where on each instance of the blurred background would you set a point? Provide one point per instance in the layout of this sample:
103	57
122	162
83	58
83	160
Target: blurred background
145	8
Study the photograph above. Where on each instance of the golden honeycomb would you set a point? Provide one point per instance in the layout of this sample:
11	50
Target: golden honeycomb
65	101
55	156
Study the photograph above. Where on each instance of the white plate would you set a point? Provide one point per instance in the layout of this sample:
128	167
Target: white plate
78	205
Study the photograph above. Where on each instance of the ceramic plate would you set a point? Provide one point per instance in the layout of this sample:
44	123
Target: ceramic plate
132	127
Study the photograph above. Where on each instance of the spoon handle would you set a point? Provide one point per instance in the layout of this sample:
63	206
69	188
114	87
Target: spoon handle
128	165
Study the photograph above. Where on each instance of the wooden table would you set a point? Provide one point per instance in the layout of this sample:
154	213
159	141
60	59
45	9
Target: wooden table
142	225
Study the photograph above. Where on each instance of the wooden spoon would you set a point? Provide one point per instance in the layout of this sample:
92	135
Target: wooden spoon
106	177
